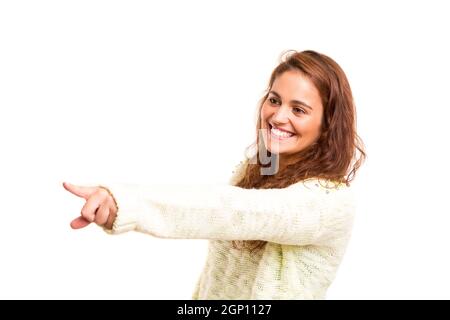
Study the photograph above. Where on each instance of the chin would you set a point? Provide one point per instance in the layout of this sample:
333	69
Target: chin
277	150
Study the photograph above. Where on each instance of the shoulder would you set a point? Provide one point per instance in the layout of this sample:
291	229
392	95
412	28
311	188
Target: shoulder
326	189
239	171
321	184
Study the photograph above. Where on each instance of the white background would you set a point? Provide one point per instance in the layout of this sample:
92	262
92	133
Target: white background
149	92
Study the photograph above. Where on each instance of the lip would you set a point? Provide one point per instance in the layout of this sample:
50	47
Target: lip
281	129
277	137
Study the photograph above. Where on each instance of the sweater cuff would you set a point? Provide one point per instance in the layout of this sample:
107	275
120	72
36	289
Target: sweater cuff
127	198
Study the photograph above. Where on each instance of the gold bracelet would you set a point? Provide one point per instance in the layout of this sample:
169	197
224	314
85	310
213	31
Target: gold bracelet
112	196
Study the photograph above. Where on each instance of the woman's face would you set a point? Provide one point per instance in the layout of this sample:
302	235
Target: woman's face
295	108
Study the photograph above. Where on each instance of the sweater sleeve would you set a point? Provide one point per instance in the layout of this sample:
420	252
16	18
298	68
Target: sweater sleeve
301	214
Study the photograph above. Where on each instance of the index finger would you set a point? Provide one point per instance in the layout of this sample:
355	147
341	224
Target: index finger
83	192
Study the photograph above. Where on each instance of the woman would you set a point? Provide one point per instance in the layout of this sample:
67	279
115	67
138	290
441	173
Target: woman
279	229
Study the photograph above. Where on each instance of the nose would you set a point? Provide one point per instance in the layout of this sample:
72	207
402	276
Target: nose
281	115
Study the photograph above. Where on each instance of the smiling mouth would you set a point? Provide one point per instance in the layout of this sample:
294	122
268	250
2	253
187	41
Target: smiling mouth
279	134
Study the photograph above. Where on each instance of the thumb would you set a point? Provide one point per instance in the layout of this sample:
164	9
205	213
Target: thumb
79	223
83	192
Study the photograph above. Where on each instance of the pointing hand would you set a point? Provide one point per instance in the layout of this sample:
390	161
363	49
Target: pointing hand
100	206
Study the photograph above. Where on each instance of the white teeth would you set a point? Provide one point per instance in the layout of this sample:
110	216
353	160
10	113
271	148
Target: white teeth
280	133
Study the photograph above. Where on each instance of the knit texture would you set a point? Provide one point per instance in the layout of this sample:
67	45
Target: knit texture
307	226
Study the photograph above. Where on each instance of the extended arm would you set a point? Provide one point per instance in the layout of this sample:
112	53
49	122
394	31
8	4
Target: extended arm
301	214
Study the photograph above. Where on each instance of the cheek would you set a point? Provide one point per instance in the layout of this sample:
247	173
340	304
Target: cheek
308	128
315	131
265	112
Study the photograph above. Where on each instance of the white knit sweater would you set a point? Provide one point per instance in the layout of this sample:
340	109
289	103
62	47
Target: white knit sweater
307	226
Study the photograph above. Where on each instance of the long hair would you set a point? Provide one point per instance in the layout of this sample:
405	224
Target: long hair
338	152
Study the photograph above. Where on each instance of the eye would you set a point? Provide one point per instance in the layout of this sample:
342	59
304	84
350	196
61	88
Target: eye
300	110
272	100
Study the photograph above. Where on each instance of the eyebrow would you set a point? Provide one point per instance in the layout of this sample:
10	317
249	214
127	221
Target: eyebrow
294	101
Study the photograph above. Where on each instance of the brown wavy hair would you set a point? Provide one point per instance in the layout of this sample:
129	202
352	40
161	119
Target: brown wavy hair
338	152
